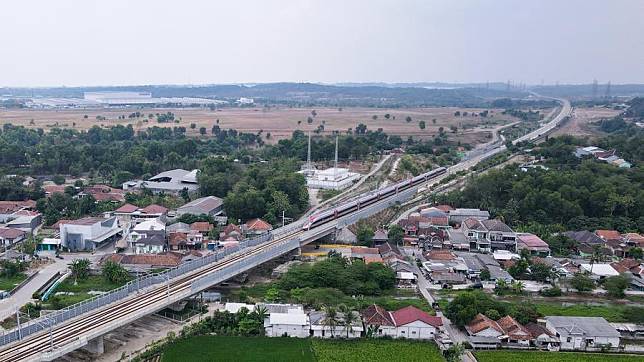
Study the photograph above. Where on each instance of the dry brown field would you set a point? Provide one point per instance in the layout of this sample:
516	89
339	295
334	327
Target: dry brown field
280	122
580	122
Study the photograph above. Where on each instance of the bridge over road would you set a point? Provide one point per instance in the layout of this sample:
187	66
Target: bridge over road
84	324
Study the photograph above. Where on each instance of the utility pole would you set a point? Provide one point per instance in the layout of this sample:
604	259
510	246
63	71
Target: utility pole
594	89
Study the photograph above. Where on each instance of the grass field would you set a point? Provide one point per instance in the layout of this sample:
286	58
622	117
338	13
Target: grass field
531	356
375	350
80	291
241	349
612	313
279	121
7	283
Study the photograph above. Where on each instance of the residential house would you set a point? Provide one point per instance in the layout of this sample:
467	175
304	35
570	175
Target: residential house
203	227
129	212
88	233
10	236
169	182
380	236
542	338
458	240
482	326
583	333
25	220
255	227
146	229
436	217
516	334
599	271
180	227
607	235
209	205
533	244
231	232
409	322
103	193
322	327
144	262
489	235
406	280
153	244
291	322
9	209
457	216
178	240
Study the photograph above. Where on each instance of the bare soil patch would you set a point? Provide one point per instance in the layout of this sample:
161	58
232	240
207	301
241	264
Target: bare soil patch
280	122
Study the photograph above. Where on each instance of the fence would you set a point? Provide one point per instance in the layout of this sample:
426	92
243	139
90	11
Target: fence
94	303
138	284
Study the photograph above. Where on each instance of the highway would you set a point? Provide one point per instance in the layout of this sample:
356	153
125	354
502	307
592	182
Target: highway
75	332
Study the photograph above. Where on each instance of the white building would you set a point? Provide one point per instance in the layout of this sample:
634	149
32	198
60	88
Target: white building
333	178
172	181
599	271
146	229
88	233
321	328
409	322
583	333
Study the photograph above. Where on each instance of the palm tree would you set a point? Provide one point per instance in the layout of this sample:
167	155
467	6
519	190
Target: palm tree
518	287
260	312
349	318
331	319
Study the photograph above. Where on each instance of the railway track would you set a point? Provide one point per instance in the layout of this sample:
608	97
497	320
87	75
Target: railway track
34	345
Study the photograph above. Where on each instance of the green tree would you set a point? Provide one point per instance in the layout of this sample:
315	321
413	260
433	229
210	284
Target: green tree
636	253
395	234
421	125
485	275
365	235
540	272
455	352
582	283
114	273
80	268
492	314
616	285
272	294
408	119
331	319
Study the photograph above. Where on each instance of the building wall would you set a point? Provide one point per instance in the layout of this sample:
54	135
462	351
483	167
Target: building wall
416	330
339	332
278	330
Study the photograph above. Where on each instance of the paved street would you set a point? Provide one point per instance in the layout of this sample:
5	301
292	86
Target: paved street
23	296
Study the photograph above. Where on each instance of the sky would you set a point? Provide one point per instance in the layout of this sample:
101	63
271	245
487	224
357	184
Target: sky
131	42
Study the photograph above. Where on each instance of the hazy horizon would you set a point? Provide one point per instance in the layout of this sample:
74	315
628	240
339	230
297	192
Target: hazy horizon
121	43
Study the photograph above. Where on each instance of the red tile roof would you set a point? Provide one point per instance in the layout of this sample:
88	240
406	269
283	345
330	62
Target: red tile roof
10	233
363	251
513	329
8	207
377	315
445	208
231	228
608	234
481	323
127	209
532	241
440	255
154	209
411	314
177	238
52	189
202	226
368	259
159	260
258	225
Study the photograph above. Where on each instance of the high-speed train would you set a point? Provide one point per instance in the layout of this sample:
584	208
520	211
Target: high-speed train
354	205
